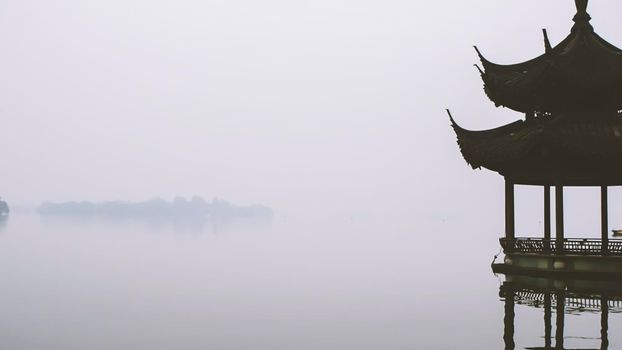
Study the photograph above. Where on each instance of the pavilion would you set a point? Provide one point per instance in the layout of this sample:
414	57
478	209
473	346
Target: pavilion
571	135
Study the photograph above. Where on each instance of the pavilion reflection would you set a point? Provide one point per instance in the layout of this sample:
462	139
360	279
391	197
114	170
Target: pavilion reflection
562	297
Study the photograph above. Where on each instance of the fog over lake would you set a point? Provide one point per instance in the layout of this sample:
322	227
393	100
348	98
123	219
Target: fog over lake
304	282
326	117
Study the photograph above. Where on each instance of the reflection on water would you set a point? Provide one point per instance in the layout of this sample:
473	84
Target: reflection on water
195	214
563	297
179	225
3	221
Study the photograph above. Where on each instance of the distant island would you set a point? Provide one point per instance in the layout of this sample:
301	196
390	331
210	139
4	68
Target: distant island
179	208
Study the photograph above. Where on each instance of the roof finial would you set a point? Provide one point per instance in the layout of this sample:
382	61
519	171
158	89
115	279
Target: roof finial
581	6
582	18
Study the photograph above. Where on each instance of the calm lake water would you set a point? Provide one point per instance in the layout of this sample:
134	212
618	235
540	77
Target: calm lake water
326	282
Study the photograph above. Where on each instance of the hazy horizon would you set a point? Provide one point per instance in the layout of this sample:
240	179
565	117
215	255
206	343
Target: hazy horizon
300	106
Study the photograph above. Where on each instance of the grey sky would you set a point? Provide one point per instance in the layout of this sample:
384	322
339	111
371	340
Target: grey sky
296	104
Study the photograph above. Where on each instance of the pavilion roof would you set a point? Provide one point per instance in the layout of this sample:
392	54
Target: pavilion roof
582	72
549	150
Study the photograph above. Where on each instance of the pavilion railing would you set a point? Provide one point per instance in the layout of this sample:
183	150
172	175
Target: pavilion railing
575	246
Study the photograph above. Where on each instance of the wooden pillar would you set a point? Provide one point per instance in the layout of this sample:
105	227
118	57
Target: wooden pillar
547	212
508	322
560	298
604	219
604	323
547	218
547	320
559	218
509	210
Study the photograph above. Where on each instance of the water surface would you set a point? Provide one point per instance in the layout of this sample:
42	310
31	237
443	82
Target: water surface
303	282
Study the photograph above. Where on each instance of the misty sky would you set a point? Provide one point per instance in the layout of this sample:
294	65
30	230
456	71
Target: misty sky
294	104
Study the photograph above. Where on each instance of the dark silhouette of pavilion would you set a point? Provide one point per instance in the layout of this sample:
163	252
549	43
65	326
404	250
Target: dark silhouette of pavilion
571	135
557	298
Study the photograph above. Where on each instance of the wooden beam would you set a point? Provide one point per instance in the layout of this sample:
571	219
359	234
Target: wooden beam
559	218
604	219
547	212
547	218
509	210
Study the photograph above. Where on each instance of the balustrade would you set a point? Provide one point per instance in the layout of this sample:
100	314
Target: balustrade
575	246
